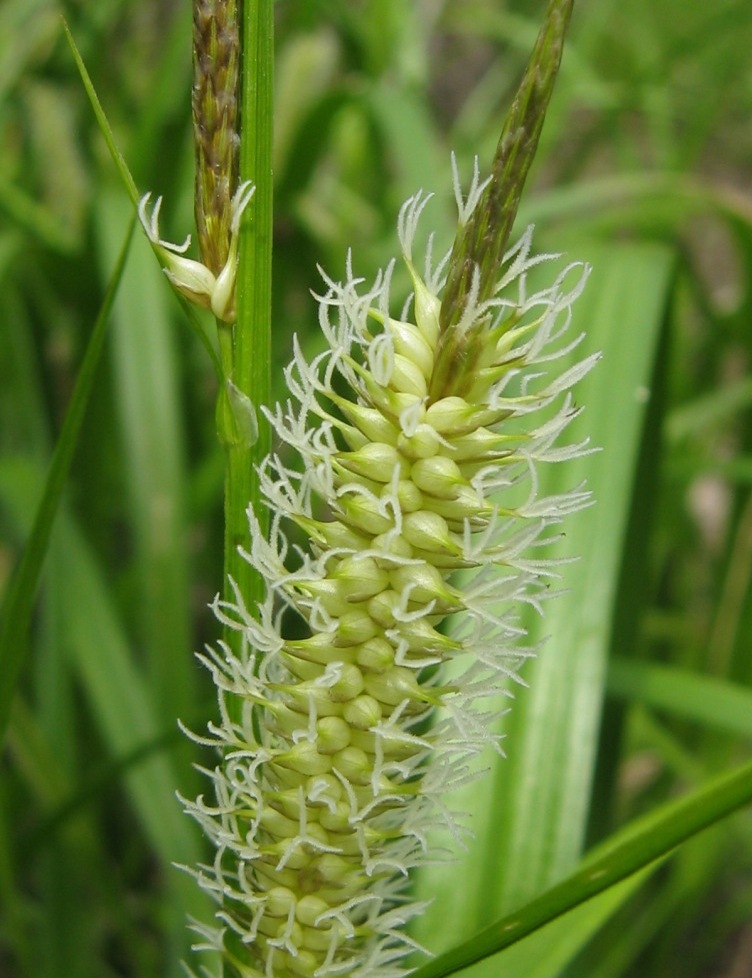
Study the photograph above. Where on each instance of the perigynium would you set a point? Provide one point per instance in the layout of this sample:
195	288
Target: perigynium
339	733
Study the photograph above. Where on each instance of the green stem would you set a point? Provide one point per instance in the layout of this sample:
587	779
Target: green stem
251	346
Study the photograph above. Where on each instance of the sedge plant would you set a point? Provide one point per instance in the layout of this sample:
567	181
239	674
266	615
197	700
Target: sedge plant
377	558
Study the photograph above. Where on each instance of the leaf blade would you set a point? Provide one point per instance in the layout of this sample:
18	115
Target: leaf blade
19	599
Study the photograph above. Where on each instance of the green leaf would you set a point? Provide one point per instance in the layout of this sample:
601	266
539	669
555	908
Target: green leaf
632	849
19	598
713	702
546	952
106	129
98	652
97	646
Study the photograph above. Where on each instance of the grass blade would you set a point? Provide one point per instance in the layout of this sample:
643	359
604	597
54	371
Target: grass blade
109	136
546	952
98	653
22	589
631	850
713	702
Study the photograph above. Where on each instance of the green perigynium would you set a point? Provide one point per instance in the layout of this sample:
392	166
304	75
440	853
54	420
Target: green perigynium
339	733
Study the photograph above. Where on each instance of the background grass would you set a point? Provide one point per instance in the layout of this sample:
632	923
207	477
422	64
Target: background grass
642	690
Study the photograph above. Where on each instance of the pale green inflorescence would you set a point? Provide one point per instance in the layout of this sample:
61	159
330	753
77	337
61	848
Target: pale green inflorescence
337	747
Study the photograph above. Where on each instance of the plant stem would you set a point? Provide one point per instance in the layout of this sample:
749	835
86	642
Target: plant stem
251	346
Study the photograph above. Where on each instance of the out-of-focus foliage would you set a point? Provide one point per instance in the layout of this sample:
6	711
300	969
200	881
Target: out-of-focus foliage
643	690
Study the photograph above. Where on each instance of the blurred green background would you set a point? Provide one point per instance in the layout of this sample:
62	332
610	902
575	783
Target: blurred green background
643	689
